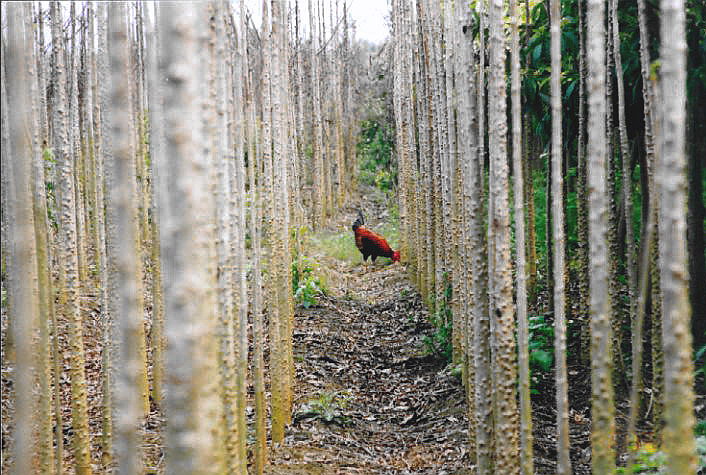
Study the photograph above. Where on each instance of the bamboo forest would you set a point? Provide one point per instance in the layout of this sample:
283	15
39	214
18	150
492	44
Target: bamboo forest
191	192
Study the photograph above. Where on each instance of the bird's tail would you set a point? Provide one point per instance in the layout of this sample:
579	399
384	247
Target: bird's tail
359	221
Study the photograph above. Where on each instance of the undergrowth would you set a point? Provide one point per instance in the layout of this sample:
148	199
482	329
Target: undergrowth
307	285
440	342
328	407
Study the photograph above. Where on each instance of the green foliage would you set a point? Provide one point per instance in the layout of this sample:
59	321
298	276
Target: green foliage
49	160
700	429
541	345
648	459
700	361
306	285
440	342
328	407
375	152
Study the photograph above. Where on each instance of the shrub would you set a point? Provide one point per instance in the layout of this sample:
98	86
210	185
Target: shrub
306	285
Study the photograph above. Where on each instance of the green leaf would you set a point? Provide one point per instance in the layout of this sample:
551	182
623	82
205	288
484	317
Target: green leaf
569	90
541	358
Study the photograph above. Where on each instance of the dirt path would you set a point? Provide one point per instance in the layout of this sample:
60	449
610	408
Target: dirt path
369	399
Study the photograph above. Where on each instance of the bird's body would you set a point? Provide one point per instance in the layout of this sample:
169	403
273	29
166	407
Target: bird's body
371	244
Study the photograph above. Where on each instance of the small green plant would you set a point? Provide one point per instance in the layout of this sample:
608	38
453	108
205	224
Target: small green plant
306	285
541	349
48	156
700	361
328	407
440	342
700	429
648	459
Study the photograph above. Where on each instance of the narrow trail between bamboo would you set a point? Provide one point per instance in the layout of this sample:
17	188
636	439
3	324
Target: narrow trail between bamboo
369	398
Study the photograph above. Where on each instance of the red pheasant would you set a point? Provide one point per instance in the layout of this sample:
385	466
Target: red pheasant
371	244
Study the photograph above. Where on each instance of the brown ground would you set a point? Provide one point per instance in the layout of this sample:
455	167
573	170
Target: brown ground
369	398
399	409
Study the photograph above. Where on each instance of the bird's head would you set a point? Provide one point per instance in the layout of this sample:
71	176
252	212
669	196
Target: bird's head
396	256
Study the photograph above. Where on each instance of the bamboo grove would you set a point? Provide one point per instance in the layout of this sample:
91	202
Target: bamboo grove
162	160
465	150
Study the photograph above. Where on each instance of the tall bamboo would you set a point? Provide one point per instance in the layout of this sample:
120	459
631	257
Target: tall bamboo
68	256
678	436
191	401
25	305
557	184
526	437
602	406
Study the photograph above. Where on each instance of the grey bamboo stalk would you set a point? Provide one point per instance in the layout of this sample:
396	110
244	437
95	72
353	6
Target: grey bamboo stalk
218	134
44	287
107	236
485	430
191	403
637	328
646	83
648	100
75	144
625	159
467	148
136	143
619	370
426	285
670	172
25	305
433	279
317	142
581	212
258	325
255	226
123	195
280	247
95	148
562	389
238	204
526	438
504	364
453	250
156	134
602	406
408	104
8	194
68	256
440	142
41	78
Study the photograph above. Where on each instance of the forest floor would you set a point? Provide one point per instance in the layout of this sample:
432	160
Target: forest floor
370	396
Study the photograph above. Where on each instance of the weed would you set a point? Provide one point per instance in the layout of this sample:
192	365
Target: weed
648	459
440	343
700	359
327	407
541	345
306	285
